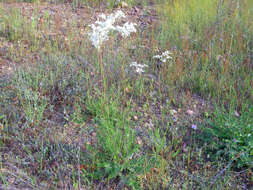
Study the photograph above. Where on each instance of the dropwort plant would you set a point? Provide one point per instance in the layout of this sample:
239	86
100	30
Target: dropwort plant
100	33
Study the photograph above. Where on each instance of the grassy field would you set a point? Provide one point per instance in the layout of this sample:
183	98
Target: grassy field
134	94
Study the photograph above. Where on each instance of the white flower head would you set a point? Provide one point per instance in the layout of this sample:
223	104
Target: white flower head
139	68
126	29
164	57
103	16
101	29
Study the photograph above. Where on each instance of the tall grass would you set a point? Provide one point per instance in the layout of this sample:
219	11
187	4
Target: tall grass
210	38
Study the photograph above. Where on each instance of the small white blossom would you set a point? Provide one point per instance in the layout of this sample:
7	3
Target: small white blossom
103	16
126	29
249	135
164	56
139	67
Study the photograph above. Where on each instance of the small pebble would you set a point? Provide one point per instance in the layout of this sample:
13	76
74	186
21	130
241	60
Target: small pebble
237	114
93	134
139	141
190	112
173	112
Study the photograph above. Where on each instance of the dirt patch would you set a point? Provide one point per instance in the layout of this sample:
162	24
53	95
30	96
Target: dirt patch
6	67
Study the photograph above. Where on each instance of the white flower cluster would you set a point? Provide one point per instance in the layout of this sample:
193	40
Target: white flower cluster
139	67
101	29
164	57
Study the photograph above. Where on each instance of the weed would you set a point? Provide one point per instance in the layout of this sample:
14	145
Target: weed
118	150
230	137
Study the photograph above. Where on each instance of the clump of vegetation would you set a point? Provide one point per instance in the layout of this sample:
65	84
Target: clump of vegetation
230	137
